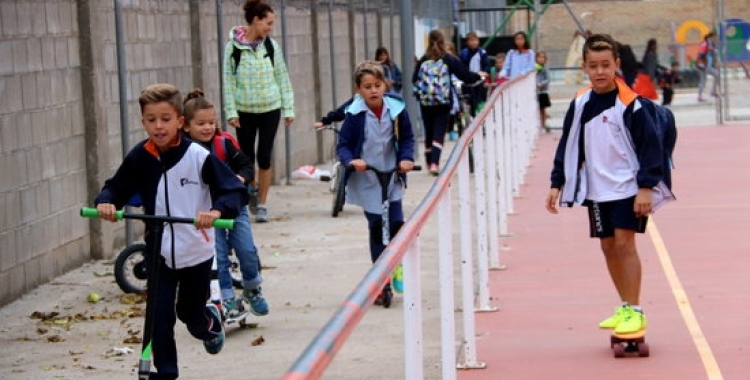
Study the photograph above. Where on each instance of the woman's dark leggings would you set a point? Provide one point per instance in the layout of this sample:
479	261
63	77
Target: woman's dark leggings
435	120
264	125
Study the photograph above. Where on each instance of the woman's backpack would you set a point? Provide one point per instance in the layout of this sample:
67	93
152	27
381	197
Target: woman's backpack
237	54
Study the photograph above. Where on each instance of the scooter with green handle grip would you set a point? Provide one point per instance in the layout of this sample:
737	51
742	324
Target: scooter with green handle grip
144	363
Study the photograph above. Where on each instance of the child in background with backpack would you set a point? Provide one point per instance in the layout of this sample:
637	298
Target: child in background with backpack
432	86
610	159
475	58
200	126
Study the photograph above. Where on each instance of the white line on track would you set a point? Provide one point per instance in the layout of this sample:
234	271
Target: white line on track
683	303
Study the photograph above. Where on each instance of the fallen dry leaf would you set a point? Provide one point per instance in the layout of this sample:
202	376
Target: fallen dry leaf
44	315
133	340
132	298
55	339
257	341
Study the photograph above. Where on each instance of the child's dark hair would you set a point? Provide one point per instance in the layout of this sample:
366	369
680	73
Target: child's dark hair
382	50
194	102
256	8
600	42
471	35
161	92
368	68
526	44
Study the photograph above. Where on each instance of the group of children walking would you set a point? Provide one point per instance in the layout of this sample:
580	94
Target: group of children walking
188	166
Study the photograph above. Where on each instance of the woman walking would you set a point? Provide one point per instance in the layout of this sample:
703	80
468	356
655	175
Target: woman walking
257	93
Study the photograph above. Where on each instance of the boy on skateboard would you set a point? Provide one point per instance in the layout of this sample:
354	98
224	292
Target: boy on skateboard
609	159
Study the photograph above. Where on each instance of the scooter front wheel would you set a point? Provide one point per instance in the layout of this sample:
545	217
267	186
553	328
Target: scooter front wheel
337	203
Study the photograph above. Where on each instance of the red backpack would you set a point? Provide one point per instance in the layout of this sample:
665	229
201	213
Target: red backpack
219	142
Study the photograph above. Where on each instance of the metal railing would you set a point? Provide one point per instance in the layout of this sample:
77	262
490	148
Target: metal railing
501	139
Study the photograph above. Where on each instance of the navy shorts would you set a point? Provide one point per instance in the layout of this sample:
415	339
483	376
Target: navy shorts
605	217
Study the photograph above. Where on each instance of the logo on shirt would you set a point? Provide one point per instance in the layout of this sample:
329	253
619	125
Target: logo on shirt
604	119
187	181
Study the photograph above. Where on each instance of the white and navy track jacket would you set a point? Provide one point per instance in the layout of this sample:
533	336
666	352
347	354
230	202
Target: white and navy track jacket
180	182
622	152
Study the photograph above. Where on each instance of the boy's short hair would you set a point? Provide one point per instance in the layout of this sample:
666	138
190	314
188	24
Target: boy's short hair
161	92
601	42
368	67
471	35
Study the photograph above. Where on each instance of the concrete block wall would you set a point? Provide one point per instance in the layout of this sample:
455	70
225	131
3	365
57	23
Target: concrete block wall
41	145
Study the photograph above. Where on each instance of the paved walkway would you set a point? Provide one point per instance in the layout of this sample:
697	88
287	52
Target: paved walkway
551	297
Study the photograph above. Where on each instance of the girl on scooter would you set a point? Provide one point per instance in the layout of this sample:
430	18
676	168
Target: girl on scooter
377	133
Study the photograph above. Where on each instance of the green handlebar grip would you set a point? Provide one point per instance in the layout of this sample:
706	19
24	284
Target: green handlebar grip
224	223
91	212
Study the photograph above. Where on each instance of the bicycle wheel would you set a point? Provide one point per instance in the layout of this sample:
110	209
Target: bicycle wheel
130	269
337	203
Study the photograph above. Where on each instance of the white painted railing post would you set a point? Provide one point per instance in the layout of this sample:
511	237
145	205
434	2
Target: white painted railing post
480	189
445	277
508	153
492	195
413	355
467	269
503	163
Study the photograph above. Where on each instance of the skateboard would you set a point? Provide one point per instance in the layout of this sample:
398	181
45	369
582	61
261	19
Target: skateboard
629	344
240	319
